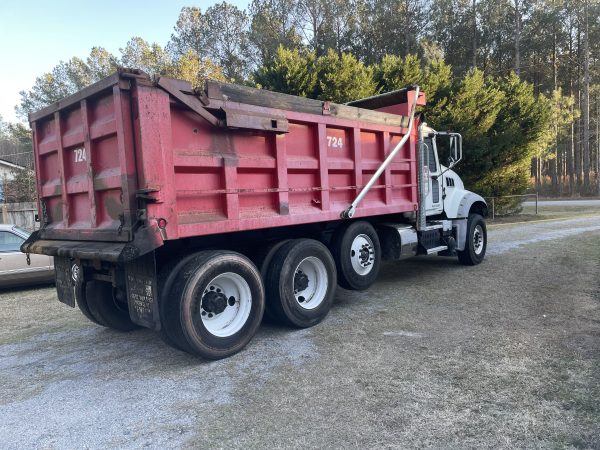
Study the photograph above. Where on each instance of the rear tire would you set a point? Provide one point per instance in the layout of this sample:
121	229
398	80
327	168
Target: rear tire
300	283
106	308
221	301
263	260
265	255
476	241
82	303
357	254
168	307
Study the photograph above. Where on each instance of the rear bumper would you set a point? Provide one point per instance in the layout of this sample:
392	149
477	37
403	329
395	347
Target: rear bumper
145	240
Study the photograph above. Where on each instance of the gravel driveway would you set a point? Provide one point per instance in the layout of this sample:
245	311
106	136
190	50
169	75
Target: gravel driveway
502	355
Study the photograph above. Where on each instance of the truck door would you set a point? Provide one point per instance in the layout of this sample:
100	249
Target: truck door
433	197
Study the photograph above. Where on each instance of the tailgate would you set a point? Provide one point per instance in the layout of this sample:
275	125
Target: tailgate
85	163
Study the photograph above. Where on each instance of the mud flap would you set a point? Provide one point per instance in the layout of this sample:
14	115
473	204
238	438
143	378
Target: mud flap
142	291
65	287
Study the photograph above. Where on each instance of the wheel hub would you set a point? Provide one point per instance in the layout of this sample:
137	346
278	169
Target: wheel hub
310	282
364	255
214	302
300	281
478	240
225	304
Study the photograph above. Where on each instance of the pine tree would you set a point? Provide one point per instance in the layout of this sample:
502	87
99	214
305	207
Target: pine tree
343	78
291	72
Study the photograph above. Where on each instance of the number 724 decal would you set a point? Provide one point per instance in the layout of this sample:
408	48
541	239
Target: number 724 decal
79	154
335	142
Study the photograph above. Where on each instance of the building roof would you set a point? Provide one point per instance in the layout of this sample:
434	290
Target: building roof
5	163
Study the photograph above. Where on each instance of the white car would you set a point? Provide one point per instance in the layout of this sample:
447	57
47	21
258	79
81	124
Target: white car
14	270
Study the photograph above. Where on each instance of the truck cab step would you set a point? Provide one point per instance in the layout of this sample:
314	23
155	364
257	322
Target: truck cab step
433	250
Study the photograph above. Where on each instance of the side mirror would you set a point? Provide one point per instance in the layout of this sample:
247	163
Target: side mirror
455	150
455	147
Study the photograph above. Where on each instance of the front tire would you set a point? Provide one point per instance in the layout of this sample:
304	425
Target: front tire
221	301
300	283
476	241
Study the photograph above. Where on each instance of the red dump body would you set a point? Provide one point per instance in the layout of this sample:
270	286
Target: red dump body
222	160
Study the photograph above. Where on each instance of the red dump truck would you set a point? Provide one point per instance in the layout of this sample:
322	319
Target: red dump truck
195	211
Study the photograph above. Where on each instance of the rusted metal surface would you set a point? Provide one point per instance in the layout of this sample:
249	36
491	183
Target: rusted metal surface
133	153
178	90
255	121
381	101
146	240
266	120
226	92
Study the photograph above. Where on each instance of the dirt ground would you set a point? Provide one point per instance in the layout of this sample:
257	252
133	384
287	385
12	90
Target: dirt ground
434	355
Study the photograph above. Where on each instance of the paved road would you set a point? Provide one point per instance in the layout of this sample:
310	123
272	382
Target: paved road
502	355
563	203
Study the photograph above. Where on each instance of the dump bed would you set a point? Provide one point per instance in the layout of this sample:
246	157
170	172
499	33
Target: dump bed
132	152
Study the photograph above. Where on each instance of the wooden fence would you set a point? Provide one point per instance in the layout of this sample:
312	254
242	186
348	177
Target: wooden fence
21	214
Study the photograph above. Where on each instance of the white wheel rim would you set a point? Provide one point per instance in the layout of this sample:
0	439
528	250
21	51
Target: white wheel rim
478	240
310	282
224	321
362	254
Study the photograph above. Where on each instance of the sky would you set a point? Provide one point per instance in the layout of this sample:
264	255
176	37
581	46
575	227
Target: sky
35	35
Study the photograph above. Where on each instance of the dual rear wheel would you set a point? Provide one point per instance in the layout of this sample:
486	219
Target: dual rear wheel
211	303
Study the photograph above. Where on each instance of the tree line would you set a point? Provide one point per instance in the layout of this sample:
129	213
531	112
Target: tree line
519	78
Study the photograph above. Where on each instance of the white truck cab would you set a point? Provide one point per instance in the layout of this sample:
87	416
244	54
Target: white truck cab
447	202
